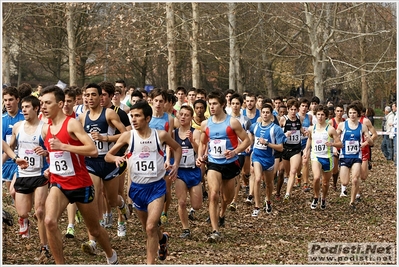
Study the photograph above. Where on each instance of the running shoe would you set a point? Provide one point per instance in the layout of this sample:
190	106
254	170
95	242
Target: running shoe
233	206
164	218
221	221
121	229
44	256
214	237
125	211
268	207
286	198
344	194
255	212
163	248
191	214
358	198
108	220
70	233
250	200
277	197
186	234
306	187
313	206
89	247
285	180
323	204
115	262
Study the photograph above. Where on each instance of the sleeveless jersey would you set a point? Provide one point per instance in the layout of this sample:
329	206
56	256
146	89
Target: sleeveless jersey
319	148
7	124
188	156
255	118
161	123
351	142
335	124
79	110
145	158
195	125
26	144
221	138
294	141
101	126
305	126
66	168
246	124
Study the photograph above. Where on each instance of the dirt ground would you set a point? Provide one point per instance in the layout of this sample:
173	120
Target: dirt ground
279	238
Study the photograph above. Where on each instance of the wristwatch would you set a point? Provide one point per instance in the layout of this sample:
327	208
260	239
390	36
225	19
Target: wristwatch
15	158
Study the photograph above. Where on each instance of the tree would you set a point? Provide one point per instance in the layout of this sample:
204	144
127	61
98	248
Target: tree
194	47
170	31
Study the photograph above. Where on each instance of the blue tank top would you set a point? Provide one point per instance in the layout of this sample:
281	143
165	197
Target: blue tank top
161	123
305	125
255	118
188	155
7	124
351	140
101	126
221	138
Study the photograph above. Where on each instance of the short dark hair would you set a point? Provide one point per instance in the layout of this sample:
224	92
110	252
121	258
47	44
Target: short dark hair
33	100
188	108
201	101
356	107
292	102
121	81
58	92
217	94
181	88
268	106
315	99
70	92
238	97
107	87
144	106
158	91
136	93
94	85
24	89
323	108
12	91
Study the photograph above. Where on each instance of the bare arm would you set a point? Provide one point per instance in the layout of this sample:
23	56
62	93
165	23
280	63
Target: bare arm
76	131
124	139
166	138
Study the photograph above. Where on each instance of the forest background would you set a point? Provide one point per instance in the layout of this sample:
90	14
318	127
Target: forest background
343	51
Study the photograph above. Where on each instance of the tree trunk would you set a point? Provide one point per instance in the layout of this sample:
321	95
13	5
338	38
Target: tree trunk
194	46
71	44
361	27
6	58
170	32
316	54
233	40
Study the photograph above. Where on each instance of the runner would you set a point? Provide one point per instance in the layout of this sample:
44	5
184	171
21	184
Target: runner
145	158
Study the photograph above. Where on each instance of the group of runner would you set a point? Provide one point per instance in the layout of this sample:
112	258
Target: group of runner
74	153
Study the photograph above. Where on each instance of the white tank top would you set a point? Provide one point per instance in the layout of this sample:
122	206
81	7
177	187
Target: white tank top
26	144
145	158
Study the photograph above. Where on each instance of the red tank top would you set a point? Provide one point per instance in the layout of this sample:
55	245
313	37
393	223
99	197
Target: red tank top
81	177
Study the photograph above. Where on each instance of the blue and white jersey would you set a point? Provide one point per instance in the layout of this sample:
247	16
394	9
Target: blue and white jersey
101	126
8	123
221	138
26	144
272	133
351	140
161	123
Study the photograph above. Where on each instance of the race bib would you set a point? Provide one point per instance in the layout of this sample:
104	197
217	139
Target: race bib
145	165
187	158
61	163
216	148
102	146
352	147
294	138
34	160
258	145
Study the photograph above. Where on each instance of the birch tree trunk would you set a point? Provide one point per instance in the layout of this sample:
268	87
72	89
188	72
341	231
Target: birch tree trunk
196	81
71	44
170	33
